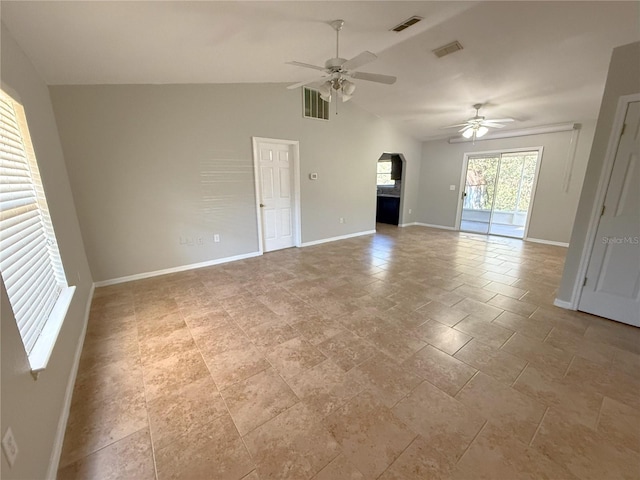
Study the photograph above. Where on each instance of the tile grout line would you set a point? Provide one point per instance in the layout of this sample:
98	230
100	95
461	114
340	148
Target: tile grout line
486	422
539	426
146	401
521	372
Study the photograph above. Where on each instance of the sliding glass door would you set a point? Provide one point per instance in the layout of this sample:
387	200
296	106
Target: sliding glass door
498	192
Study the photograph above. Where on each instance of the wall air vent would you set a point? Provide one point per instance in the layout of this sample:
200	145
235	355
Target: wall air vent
406	24
447	49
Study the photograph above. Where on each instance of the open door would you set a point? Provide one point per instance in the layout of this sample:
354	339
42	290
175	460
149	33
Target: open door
612	283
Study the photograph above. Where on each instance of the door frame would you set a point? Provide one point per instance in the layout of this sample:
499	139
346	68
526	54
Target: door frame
402	187
598	201
463	183
295	177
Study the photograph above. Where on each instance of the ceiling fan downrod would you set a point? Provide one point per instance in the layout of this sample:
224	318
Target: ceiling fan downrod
337	26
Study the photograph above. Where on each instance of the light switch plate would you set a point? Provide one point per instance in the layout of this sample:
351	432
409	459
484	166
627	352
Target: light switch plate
452	187
313	176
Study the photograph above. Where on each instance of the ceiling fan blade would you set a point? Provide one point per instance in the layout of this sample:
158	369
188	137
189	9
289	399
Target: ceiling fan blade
457	125
305	82
306	65
374	77
500	120
359	60
493	125
464	128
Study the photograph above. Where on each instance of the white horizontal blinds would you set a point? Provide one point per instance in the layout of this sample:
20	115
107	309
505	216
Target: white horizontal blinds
29	258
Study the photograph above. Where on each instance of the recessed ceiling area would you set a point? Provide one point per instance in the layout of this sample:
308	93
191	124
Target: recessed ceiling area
539	62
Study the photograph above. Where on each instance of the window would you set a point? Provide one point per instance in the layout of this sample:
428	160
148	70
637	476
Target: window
30	262
314	106
384	173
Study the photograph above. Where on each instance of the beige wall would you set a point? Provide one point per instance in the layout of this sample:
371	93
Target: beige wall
137	156
33	408
623	79
553	208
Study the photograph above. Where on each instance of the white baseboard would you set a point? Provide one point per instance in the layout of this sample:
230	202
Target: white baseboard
546	242
563	304
182	268
410	224
441	227
341	237
56	452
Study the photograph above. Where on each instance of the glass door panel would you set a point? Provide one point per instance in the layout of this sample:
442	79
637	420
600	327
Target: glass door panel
498	193
513	194
479	194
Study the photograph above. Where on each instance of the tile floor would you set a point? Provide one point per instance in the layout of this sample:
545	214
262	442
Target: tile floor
410	354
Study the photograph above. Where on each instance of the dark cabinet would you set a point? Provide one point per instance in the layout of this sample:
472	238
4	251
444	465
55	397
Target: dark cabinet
388	210
396	168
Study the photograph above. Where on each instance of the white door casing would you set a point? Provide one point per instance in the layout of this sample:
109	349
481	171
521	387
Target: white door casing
277	193
612	284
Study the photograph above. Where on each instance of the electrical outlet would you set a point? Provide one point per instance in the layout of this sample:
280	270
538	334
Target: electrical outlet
341	220
410	211
10	447
216	238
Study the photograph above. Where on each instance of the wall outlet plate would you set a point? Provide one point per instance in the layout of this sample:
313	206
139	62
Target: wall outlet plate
10	447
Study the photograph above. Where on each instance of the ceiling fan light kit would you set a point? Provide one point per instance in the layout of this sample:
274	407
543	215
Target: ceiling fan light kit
338	72
478	126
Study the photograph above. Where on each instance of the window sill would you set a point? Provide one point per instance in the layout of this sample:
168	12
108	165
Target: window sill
41	352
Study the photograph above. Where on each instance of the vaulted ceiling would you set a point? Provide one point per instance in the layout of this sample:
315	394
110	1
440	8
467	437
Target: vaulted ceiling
539	62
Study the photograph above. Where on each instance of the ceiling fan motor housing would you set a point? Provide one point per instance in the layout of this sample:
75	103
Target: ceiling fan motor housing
335	64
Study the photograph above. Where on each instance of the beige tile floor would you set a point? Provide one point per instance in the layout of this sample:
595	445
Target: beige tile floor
410	354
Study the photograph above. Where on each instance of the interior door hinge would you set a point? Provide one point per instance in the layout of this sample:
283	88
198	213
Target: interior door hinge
624	126
603	209
584	284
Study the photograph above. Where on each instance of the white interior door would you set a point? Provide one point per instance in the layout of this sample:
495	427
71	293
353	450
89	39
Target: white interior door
276	181
612	284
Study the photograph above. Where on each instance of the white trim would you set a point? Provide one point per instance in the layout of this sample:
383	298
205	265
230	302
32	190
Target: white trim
598	201
297	216
563	127
182	268
562	304
546	242
43	348
430	225
410	224
341	237
56	452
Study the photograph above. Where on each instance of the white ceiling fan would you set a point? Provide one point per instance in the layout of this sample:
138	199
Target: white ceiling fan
478	126
338	72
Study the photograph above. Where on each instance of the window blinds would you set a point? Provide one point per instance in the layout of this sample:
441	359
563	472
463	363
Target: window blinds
29	258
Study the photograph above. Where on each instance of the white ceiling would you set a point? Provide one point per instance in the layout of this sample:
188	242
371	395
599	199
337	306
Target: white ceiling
539	62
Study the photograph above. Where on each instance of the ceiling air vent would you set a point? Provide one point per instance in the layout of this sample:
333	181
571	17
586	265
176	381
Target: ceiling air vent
406	24
447	49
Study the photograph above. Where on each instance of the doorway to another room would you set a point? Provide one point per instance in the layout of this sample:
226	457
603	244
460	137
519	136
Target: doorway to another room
497	192
389	188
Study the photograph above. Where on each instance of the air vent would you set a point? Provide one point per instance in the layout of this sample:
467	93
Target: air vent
447	49
406	24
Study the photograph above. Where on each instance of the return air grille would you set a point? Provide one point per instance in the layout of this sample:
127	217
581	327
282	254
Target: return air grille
404	25
447	49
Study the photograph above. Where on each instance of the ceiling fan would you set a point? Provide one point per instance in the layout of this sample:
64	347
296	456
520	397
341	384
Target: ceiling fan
338	72
478	126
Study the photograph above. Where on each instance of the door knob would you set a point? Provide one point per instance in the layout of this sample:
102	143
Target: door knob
261	205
